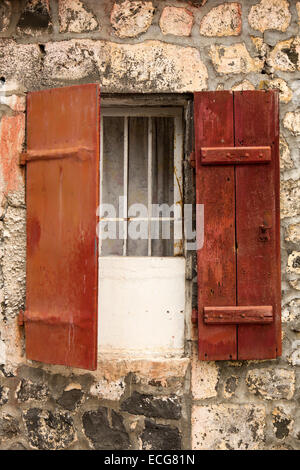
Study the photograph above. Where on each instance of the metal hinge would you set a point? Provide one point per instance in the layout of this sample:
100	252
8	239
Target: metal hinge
194	316
192	159
21	318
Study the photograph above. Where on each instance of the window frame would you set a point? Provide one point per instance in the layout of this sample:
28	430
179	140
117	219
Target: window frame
148	110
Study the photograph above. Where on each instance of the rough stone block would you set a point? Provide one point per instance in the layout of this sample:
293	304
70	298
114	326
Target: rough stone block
160	437
234	59
293	233
76	17
205	376
286	162
154	407
105	431
47	430
227	427
108	390
230	386
131	18
291	311
293	264
176	21
285	93
289	198
282	422
271	384
20	65
29	391
285	55
151	66
5	15
70	399
223	20
9	427
35	19
292	122
244	85
270	14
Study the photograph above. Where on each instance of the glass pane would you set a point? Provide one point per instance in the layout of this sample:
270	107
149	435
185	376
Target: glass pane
137	183
163	161
164	246
113	161
113	244
163	185
112	183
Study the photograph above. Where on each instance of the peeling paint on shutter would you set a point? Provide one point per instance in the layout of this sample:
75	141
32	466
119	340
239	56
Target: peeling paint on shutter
239	264
62	186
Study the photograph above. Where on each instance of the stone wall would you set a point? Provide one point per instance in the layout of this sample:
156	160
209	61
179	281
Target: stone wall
154	47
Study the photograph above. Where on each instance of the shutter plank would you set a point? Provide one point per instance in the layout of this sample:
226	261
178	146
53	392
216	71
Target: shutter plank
257	206
215	189
62	198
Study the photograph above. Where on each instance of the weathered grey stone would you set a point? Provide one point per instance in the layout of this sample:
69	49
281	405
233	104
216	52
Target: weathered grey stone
285	93
282	423
230	386
289	198
291	311
108	389
244	85
294	283
222	427
271	384
270	14
70	399
223	20
292	122
76	17
9	427
35	18
293	264
4	391
5	15
151	66
131	18
205	377
20	63
14	261
153	407
29	391
177	21
234	59
285	55
160	437
47	430
286	162
293	233
101	433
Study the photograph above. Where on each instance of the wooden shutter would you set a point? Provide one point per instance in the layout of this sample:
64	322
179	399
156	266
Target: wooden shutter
62	187
237	181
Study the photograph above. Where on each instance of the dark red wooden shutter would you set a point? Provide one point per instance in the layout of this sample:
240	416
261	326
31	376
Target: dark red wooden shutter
237	181
62	187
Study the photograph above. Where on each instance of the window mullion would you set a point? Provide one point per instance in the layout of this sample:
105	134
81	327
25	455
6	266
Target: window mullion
149	183
101	183
125	208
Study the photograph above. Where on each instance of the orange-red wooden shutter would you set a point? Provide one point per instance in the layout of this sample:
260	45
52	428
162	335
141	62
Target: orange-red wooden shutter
62	187
237	181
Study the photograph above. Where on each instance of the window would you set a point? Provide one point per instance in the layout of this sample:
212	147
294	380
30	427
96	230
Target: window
141	181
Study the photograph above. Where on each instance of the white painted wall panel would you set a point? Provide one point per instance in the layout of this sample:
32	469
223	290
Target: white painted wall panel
141	306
